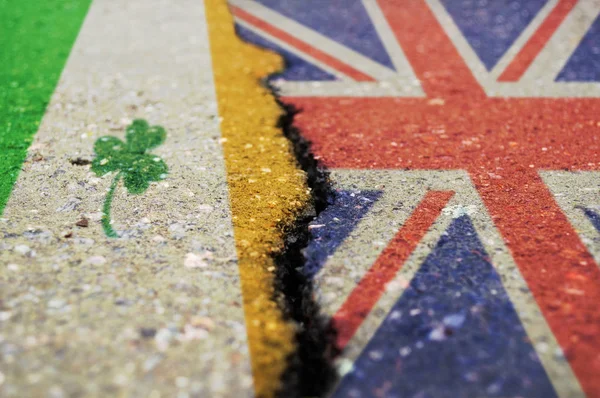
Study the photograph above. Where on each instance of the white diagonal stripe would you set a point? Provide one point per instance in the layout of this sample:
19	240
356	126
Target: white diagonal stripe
388	38
553	57
348	56
292	49
575	191
459	40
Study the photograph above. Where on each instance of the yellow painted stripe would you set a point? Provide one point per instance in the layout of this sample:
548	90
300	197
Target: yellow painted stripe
267	188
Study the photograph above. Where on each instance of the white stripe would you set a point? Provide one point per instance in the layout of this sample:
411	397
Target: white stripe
317	40
145	59
388	38
349	89
293	50
574	191
465	50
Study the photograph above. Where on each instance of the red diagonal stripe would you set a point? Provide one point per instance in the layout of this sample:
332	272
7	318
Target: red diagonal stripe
515	70
560	272
368	291
302	46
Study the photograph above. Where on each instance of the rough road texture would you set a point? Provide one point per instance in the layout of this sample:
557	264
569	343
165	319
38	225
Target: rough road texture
268	190
460	137
157	311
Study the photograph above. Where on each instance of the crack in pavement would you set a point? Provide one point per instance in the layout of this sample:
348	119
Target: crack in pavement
311	371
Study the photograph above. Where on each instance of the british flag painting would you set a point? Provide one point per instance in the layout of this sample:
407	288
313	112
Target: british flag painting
460	254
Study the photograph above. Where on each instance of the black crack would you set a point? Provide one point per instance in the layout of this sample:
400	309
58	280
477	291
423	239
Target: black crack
310	372
80	162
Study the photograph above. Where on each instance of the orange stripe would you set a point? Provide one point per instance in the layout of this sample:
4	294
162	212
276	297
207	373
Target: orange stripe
302	46
370	288
515	70
263	210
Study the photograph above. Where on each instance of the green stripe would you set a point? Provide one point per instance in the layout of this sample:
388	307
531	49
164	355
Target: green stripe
35	40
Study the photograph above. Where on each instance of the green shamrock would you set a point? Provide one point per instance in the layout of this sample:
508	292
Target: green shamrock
130	159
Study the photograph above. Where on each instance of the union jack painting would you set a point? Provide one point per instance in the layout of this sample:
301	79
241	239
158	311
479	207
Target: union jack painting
459	257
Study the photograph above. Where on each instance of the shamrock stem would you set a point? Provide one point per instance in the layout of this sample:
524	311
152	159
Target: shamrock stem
106	209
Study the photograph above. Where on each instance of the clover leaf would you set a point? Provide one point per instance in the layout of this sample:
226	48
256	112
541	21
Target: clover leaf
131	161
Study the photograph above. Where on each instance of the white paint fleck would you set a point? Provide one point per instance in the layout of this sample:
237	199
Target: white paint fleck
345	366
437	334
460	210
454	320
405	351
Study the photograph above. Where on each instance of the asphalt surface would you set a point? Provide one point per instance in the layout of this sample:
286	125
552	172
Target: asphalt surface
458	256
358	198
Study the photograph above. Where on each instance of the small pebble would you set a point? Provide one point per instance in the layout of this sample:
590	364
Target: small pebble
163	338
158	239
203	322
182	382
23	249
197	261
437	334
151	362
147	333
96	260
454	320
56	303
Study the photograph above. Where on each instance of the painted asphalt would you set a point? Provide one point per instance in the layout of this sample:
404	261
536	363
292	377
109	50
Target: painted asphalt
166	231
154	298
459	256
